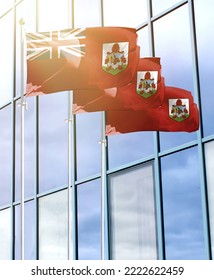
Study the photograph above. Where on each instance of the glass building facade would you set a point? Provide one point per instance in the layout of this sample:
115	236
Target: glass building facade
159	186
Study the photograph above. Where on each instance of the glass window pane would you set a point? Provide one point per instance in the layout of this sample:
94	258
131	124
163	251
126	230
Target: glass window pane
159	6
53	224
5	6
89	221
18	232
143	42
87	13
5	155
30	230
124	148
132	214
209	152
17	151
5	234
125	13
6	58
204	25
29	145
29	238
53	141
88	148
182	206
30	150
22	11
53	15
174	49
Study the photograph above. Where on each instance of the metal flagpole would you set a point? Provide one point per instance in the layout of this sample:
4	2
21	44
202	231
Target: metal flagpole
70	183
23	106
104	201
72	231
104	193
70	120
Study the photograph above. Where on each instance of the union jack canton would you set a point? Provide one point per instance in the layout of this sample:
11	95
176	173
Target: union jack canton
66	43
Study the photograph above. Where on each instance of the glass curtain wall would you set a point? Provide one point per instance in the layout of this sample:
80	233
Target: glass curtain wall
164	180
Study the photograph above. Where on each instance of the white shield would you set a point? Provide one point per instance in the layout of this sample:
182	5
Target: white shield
179	109
115	57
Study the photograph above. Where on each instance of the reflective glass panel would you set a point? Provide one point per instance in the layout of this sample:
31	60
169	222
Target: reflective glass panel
18	151
54	15
29	232
18	232
205	41
89	221
6	58
182	206
87	13
53	226
143	42
53	141
22	12
159	6
88	148
125	13
5	6
29	150
132	214
124	148
5	155
5	234
173	46
209	151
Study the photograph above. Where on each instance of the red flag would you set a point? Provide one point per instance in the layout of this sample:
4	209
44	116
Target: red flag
145	90
80	58
178	113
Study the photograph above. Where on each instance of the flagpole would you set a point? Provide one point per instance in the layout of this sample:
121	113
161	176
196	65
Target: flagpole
69	174
72	204
104	195
23	106
72	196
104	191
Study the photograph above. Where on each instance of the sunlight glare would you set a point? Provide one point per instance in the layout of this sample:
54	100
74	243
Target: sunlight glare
54	15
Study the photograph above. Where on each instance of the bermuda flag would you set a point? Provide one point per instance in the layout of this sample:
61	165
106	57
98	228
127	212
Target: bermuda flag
145	90
178	113
82	58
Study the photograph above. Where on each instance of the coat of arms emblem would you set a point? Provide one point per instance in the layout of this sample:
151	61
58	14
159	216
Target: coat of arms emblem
179	109
147	83
115	57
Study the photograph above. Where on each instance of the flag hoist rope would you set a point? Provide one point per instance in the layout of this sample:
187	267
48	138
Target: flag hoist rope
23	107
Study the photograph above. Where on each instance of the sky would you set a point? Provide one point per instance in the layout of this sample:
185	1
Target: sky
180	171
